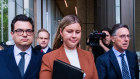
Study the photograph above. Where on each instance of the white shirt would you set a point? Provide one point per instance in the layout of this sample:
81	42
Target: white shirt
45	49
73	57
18	56
117	54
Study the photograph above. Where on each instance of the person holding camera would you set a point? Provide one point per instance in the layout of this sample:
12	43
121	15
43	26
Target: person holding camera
99	42
105	43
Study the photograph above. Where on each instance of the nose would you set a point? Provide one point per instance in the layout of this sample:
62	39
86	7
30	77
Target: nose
73	34
43	39
127	38
24	33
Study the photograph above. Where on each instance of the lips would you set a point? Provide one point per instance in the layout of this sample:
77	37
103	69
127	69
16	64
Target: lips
43	43
73	41
125	44
24	40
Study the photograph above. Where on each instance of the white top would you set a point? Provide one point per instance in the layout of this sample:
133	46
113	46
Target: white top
18	56
45	49
73	57
117	54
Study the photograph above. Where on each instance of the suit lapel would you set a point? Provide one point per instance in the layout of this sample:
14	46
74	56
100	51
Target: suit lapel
62	55
81	59
115	64
11	63
130	63
49	50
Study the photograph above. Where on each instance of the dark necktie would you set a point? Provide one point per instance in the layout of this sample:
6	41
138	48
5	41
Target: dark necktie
22	63
125	72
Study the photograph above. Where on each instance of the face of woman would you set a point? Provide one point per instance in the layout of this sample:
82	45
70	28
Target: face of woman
71	35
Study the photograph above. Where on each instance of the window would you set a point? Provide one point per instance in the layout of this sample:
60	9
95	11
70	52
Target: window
28	8
117	11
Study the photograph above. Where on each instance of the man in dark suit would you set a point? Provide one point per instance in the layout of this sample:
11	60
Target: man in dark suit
21	61
118	62
43	40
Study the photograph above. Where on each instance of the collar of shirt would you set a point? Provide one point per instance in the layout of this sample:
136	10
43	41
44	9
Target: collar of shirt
45	49
27	56
70	51
17	50
117	53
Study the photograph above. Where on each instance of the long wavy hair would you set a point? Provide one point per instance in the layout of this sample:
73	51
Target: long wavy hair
67	20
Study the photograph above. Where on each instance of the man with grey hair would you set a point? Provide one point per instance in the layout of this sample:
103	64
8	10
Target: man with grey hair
118	62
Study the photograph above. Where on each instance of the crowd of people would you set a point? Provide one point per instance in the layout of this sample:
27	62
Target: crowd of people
23	61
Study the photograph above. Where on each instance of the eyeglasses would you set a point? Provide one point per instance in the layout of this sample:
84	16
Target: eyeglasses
124	36
21	31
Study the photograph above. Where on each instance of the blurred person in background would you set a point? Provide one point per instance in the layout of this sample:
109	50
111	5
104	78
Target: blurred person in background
43	40
105	43
101	42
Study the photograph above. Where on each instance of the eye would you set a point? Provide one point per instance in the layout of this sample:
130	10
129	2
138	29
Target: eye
69	31
122	36
78	32
46	38
40	37
19	30
29	30
128	36
107	35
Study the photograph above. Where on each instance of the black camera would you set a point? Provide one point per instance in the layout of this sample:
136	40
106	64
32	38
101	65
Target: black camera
94	37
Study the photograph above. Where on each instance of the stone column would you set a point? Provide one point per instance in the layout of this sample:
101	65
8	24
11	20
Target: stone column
37	18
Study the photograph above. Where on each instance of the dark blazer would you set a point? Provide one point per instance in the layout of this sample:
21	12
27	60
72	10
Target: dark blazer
49	50
108	67
9	68
38	47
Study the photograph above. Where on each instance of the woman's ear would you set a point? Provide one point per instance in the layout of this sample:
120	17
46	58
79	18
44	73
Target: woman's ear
60	31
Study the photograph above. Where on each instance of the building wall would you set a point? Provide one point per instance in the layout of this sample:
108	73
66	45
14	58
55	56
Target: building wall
49	20
137	24
137	29
86	15
105	13
127	17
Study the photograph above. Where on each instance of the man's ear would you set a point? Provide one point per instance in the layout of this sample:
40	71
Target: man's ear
112	38
12	34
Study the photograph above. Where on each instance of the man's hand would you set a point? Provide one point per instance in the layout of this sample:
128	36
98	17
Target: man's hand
103	46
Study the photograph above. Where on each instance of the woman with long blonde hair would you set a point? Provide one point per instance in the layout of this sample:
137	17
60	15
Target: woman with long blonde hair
67	50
